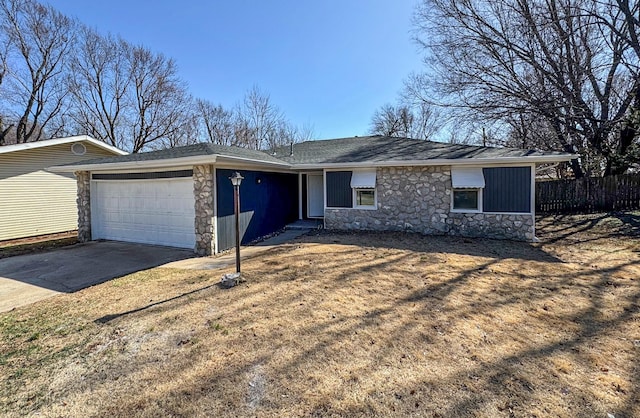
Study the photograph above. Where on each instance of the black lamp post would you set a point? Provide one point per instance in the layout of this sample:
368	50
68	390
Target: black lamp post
236	179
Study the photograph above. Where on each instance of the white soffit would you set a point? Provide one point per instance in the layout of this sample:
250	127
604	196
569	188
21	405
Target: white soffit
364	179
467	177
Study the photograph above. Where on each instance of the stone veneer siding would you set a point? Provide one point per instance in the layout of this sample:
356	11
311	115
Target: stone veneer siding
418	199
83	201
203	194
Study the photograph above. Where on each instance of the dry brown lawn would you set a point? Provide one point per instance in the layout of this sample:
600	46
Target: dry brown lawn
339	324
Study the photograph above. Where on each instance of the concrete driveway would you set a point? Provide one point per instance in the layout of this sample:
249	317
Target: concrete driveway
28	278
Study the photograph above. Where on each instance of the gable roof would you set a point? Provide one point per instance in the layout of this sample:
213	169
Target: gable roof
369	151
60	141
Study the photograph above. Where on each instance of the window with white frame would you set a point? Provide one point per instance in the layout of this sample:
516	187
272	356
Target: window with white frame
466	199
365	197
363	183
467	183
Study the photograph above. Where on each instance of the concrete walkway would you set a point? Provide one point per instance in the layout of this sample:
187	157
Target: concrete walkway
229	259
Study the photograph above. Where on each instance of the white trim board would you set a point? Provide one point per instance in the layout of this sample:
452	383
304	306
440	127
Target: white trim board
440	161
61	141
220	160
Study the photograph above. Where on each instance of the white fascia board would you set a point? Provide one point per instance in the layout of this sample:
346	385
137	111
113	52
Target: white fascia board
442	161
225	159
210	159
136	165
60	141
240	166
231	162
104	145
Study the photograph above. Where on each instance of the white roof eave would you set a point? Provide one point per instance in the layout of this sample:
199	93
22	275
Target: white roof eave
166	163
442	161
129	165
61	141
211	159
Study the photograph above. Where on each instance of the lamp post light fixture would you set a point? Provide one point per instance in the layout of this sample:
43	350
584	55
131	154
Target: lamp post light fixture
236	180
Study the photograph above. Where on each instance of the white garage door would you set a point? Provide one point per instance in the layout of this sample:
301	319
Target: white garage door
147	211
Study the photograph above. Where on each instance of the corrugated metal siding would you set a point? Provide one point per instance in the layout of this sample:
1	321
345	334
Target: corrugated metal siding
339	193
507	189
34	201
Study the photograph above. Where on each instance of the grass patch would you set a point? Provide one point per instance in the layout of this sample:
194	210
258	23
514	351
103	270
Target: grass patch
348	325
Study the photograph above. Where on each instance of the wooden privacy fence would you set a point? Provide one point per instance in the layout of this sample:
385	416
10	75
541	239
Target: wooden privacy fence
592	194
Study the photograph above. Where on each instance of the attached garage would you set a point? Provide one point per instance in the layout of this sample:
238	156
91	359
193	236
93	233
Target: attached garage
149	208
173	197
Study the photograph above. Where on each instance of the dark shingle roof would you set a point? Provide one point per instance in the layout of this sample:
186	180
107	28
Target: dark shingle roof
367	149
376	149
195	150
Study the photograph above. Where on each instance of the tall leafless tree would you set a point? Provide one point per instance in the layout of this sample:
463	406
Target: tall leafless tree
553	60
420	122
258	119
99	82
39	40
304	132
158	98
188	131
4	49
623	20
128	96
59	77
217	123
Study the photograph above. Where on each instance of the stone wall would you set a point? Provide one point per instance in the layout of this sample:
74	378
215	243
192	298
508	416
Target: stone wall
83	201
203	193
418	199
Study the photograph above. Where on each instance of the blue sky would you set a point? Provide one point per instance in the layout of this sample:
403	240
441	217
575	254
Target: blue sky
328	63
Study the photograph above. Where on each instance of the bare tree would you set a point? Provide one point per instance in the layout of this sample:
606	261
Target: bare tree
254	123
100	80
628	148
392	120
58	77
304	132
4	48
258	120
622	18
158	98
188	132
217	122
39	38
552	60
129	96
419	122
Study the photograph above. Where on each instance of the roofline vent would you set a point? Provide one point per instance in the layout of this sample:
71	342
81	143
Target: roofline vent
291	152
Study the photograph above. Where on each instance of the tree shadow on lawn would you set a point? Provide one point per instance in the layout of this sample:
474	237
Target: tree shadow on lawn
588	227
413	304
507	383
